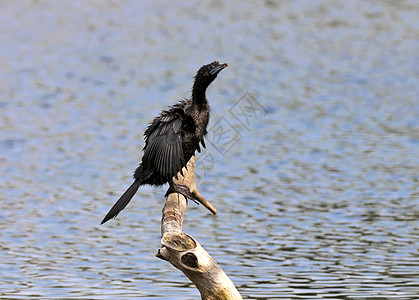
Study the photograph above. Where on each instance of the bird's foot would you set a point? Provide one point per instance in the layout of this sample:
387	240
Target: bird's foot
182	189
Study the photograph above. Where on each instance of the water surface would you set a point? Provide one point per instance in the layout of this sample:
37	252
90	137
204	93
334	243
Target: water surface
317	188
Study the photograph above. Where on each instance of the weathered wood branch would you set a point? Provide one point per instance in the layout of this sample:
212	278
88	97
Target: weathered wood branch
184	252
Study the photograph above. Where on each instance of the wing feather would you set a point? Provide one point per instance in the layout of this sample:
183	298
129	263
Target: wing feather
163	150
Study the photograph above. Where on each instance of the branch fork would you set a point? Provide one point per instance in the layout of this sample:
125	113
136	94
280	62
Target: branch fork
184	252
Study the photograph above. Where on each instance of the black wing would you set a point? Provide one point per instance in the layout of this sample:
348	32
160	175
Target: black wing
163	149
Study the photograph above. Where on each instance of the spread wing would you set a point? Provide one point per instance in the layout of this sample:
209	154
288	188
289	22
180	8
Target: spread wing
163	149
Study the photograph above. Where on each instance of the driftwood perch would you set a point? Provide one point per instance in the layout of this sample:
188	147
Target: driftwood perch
184	252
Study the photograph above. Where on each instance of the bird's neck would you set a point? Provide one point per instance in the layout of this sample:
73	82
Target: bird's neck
199	95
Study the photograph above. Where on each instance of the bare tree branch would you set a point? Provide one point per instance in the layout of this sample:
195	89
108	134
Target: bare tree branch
184	252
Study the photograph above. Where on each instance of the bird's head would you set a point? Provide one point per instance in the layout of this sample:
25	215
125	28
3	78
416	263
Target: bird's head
206	74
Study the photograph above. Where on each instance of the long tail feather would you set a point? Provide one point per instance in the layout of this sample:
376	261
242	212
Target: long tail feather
123	201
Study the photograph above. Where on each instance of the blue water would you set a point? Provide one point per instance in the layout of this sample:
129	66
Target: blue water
315	176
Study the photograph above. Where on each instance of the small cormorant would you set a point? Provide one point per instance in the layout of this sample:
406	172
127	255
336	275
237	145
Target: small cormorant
171	139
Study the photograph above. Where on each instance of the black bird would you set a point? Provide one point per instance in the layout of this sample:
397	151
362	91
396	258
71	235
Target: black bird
171	139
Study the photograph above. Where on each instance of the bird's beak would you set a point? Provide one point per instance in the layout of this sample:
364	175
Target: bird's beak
218	69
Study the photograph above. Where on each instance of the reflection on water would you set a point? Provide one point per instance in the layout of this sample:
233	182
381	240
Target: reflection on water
318	198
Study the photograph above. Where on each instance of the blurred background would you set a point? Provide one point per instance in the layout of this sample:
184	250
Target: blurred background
315	177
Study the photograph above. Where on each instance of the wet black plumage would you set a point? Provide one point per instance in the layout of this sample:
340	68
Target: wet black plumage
172	138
